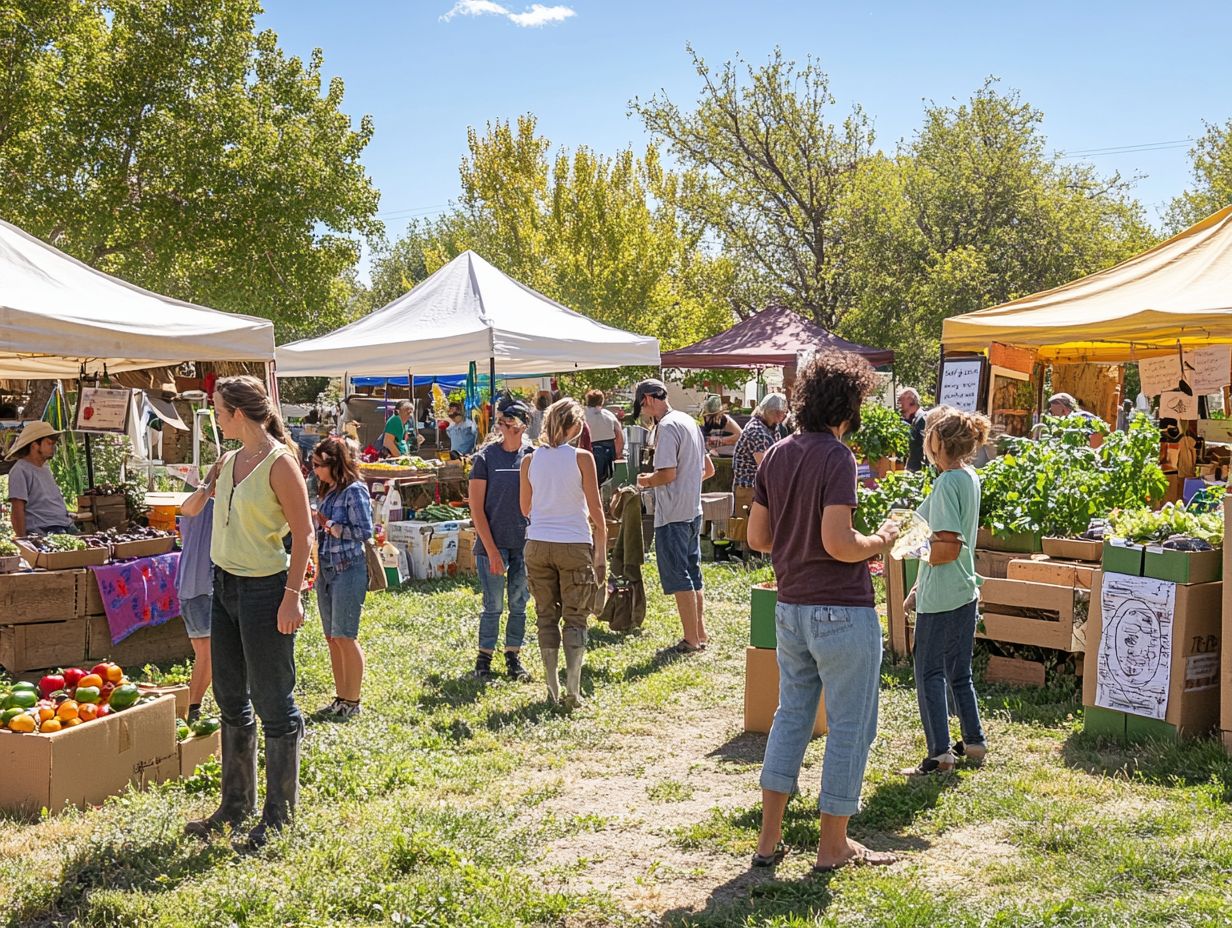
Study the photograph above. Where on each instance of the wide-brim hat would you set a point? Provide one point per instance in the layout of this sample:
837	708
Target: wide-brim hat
34	431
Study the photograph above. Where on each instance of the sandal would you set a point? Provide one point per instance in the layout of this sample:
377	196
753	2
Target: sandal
862	858
771	859
683	647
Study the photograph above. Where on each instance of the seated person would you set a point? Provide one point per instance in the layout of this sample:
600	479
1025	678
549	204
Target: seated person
398	439
37	503
463	433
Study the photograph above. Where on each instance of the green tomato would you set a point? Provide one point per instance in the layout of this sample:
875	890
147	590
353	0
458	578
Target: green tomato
88	694
23	699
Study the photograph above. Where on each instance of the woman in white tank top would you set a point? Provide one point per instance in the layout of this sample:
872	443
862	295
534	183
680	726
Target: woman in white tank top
564	561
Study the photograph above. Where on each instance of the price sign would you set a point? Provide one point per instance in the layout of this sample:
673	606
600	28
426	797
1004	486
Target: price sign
103	410
960	384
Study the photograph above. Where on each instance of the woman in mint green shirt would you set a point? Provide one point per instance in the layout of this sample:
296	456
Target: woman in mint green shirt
946	594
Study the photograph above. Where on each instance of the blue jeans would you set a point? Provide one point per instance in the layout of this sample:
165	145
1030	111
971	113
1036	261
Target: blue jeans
494	586
605	456
196	612
253	662
340	598
678	552
943	643
838	648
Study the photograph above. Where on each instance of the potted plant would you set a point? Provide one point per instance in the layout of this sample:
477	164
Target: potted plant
882	439
10	556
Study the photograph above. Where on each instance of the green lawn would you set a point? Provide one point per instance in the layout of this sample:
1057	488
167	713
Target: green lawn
449	803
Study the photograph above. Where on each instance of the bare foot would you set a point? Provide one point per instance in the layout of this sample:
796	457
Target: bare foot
857	855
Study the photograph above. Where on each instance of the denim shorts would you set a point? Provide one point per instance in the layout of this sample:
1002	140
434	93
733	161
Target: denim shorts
678	551
340	598
196	612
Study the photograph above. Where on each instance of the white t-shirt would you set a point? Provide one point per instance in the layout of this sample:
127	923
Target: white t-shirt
678	444
45	507
603	424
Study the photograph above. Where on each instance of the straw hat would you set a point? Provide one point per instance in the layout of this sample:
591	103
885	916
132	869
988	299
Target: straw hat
34	431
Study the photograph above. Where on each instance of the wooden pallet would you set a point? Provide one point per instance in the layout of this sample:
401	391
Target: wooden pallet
1040	614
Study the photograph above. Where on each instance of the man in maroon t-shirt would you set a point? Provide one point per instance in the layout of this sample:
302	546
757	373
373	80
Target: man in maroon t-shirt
828	631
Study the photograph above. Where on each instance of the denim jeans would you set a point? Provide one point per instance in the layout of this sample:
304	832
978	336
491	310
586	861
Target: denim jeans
605	456
494	587
340	598
838	648
943	643
678	553
253	662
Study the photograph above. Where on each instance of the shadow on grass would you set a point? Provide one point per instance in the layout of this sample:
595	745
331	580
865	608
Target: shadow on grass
748	747
442	691
1153	760
643	668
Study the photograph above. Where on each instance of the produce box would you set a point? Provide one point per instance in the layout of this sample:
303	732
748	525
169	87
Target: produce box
61	560
1074	549
178	690
1225	663
738	529
197	750
39	596
1123	727
992	564
157	645
1014	672
761	692
146	547
1042	569
110	511
1182	566
43	644
1039	614
85	765
1122	557
1020	542
762	601
1194	670
467	541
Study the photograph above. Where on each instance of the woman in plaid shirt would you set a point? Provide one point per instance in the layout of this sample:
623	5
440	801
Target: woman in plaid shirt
343	523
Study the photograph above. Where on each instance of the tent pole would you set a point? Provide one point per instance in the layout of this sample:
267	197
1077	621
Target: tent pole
492	388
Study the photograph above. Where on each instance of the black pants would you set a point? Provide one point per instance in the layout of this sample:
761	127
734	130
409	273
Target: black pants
605	456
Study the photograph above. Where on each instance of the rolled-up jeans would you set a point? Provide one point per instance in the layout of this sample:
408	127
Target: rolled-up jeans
494	587
253	662
837	648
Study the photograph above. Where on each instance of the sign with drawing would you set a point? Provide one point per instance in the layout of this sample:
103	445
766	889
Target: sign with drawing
103	410
1177	405
960	383
1135	646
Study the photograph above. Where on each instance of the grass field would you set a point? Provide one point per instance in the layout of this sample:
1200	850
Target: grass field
451	803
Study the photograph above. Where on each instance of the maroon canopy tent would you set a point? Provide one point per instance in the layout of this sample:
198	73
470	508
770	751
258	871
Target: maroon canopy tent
772	338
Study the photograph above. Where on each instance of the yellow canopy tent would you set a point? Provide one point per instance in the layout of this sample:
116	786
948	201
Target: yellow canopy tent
1178	291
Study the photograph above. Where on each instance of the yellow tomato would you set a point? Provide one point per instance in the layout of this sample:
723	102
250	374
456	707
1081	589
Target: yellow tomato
50	725
22	723
45	713
91	679
87	712
69	723
67	710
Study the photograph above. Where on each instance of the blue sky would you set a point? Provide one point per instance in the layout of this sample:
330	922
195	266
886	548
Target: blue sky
1106	75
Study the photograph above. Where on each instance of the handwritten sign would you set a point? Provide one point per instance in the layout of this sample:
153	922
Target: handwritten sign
1208	370
1159	375
1135	645
960	384
103	410
1178	405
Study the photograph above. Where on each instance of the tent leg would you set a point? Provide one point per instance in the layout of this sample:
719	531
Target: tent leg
492	389
271	383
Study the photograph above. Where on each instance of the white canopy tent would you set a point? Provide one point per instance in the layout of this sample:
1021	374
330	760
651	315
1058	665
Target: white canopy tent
467	311
57	314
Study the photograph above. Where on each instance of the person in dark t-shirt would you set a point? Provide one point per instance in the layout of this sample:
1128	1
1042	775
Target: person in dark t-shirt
913	415
828	632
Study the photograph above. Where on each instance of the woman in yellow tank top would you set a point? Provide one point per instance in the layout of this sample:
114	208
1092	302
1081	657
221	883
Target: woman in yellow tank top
259	497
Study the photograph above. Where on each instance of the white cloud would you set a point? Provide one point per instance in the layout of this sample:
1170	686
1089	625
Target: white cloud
537	15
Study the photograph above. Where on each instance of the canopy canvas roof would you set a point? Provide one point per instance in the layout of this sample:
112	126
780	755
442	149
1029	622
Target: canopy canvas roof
467	311
1180	291
773	337
57	314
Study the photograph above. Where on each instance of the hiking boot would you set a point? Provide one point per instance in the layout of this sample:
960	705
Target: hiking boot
513	667
942	763
239	782
483	667
973	753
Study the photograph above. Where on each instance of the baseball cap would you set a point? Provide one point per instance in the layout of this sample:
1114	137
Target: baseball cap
514	409
651	387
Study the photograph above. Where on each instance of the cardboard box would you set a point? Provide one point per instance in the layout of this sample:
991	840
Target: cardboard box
157	645
197	750
39	596
1039	614
1074	549
993	564
1014	672
1019	542
761	692
146	547
41	645
1194	673
177	690
1182	566
1043	569
763	598
1225	665
1122	557
85	765
62	560
737	529
900	575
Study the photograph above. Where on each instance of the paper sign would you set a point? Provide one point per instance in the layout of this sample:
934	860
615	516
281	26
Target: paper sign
1201	672
1159	374
1178	405
1208	370
103	410
960	384
1135	645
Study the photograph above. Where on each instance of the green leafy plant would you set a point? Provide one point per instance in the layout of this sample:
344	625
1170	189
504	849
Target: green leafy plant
882	433
8	548
1057	483
1145	525
899	489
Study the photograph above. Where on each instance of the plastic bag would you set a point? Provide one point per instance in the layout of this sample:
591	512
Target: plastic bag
913	534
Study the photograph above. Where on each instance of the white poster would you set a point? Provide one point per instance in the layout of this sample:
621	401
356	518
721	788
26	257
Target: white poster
103	410
1177	405
960	384
1208	370
1159	374
1135	645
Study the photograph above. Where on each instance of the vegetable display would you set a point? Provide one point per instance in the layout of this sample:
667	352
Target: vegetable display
882	433
1144	525
66	699
899	489
440	512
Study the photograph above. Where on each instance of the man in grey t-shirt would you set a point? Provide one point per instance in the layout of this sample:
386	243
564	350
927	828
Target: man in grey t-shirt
681	464
38	504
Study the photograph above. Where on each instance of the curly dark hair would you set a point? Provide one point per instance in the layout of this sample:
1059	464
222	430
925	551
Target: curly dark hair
830	389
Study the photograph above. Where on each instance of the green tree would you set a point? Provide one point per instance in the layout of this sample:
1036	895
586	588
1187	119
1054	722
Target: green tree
971	213
1212	179
171	144
769	171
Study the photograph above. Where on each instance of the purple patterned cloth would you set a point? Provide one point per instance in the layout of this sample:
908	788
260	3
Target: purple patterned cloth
139	593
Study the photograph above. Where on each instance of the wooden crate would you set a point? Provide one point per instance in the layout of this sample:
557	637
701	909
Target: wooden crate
166	642
44	644
1040	614
896	619
40	596
1014	671
88	595
1043	569
993	564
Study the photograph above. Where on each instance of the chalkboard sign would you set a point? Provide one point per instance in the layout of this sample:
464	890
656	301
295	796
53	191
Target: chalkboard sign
961	379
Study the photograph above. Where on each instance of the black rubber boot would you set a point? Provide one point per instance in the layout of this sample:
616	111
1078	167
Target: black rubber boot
513	666
239	782
282	756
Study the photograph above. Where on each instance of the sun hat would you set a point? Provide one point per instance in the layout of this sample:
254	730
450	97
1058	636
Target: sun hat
713	405
34	431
